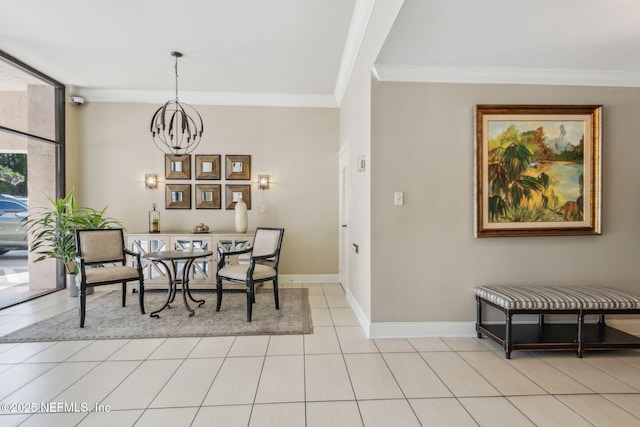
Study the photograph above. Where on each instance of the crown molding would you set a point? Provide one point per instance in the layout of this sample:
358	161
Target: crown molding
495	75
210	98
359	21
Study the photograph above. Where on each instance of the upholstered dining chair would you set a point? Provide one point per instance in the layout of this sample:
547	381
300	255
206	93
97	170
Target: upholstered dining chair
101	257
262	266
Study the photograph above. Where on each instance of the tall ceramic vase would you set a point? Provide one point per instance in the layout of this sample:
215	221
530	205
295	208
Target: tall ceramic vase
242	220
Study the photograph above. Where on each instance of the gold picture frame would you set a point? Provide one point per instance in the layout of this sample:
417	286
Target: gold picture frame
237	167
207	166
208	196
177	167
233	192
178	196
538	170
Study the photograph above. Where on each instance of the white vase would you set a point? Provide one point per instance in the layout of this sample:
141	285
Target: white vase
242	220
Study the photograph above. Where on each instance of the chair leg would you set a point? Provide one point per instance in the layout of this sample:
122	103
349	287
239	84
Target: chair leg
250	300
275	293
219	292
141	296
83	301
124	294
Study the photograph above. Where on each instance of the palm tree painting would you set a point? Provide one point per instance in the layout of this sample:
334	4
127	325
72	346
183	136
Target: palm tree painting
535	171
533	168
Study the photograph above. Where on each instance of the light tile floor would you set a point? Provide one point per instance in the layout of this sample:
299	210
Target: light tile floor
333	377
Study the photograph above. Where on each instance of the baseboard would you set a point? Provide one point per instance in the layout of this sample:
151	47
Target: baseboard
362	317
308	278
421	329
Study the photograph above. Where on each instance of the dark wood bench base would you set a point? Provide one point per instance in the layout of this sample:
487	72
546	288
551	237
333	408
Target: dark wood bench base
578	336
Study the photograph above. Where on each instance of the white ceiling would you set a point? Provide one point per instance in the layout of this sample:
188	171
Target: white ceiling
299	52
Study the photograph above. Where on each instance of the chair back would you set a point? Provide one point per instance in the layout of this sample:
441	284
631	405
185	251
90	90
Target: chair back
100	245
267	241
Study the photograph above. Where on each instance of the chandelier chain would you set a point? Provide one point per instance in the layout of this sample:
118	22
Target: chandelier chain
176	79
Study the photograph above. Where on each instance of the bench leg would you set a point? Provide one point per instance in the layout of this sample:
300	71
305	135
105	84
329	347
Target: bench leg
478	316
508	345
580	329
601	320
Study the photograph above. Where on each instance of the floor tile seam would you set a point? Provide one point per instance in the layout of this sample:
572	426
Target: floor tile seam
604	396
54	365
108	393
436	373
517	370
564	405
572	376
502	397
255	393
51	343
615	376
405	398
353	390
106	358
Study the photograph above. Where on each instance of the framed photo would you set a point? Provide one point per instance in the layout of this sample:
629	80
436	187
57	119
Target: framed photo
237	167
208	166
177	167
208	196
537	170
178	196
235	192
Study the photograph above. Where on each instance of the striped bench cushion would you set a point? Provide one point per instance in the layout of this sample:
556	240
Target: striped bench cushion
558	298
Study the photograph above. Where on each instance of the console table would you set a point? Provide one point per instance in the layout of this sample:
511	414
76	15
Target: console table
203	272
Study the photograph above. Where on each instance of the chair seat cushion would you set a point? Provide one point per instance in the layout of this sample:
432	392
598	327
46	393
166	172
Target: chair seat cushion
111	274
239	272
558	298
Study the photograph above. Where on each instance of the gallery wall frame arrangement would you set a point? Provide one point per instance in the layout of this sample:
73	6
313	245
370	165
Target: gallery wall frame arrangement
207	166
208	196
237	167
177	166
538	170
178	196
233	192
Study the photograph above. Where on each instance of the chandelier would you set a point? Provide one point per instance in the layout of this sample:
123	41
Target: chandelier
176	127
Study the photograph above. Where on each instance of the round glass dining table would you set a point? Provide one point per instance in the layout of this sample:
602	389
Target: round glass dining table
177	276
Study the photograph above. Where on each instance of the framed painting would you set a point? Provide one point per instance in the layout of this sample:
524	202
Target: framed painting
234	192
537	170
237	167
208	166
178	196
177	167
208	196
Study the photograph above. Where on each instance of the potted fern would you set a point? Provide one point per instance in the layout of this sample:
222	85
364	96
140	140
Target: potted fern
54	232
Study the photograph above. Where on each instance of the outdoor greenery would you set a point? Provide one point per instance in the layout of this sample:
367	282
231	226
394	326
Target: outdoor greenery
54	229
519	188
13	174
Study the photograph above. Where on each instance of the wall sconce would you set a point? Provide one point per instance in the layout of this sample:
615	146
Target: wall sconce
263	182
151	180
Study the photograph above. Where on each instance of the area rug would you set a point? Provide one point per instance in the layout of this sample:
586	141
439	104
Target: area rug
107	319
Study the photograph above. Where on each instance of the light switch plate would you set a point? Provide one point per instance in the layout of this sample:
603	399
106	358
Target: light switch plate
398	198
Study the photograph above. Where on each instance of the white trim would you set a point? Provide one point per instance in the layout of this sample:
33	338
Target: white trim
359	21
210	98
488	75
365	324
308	278
421	329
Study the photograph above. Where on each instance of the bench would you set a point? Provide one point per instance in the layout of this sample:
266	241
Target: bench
569	300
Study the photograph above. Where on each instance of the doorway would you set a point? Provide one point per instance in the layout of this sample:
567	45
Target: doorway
343	232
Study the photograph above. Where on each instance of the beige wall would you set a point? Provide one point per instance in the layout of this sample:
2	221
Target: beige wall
425	260
110	149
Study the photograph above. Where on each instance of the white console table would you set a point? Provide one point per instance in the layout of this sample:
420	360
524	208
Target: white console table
203	273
